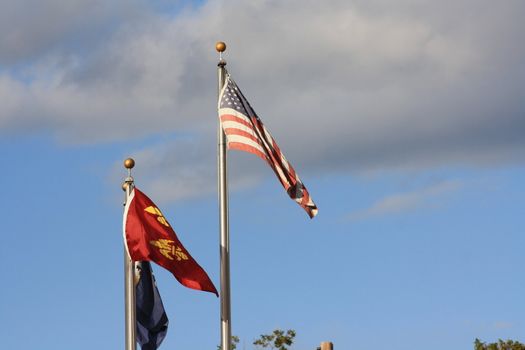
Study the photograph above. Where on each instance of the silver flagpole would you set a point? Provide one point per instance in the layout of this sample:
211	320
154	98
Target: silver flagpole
129	272
223	217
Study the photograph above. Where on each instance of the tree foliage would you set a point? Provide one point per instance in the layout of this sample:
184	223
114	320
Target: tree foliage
500	345
234	342
278	339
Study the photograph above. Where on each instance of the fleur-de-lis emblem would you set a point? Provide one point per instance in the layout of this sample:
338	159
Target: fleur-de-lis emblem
160	218
169	250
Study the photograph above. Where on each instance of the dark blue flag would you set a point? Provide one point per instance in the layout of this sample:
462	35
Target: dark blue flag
152	321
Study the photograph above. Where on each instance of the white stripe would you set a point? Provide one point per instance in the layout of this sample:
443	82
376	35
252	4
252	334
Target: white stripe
234	112
283	159
264	139
268	135
235	125
286	164
125	217
245	140
281	174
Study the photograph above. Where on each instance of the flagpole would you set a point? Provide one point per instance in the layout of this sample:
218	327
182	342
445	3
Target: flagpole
223	216
129	273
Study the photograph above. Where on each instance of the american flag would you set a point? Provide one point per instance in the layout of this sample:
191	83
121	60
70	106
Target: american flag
246	132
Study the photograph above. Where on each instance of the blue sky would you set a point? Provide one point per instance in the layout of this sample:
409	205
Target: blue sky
405	122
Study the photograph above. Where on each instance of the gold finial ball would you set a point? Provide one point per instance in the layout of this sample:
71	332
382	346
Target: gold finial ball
220	46
129	163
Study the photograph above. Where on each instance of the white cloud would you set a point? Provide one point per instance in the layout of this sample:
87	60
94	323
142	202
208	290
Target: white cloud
186	169
342	85
408	201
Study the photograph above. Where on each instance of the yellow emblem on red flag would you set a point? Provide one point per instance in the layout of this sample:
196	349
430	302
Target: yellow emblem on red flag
169	250
156	211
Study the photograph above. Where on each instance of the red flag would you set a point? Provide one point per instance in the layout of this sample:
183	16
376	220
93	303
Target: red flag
149	237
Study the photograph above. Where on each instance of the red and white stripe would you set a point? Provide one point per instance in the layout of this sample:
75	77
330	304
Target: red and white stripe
249	134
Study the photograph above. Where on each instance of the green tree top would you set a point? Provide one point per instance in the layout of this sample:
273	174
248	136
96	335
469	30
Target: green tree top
234	342
278	339
500	345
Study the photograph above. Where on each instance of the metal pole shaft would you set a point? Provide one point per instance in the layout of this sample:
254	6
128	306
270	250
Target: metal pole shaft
129	286
224	226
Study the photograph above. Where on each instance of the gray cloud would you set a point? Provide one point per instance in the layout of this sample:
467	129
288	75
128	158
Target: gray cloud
30	29
356	86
